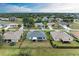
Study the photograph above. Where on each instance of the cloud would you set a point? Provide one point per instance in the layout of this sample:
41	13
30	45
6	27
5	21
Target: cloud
43	7
14	8
61	7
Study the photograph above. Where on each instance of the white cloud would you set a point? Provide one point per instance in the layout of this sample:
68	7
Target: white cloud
15	8
61	7
54	7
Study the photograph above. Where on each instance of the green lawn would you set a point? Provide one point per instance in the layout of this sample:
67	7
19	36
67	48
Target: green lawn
74	26
19	21
39	52
30	44
37	49
43	48
71	44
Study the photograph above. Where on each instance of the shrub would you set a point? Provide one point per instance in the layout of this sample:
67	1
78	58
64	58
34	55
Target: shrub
12	43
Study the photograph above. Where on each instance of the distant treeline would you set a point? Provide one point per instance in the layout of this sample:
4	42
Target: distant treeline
22	15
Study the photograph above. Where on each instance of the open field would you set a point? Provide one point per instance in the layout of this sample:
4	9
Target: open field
39	52
74	26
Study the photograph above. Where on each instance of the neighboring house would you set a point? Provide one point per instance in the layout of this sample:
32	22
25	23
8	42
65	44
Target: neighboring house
39	25
4	25
12	25
12	18
51	19
45	19
1	26
50	24
12	36
61	36
64	23
59	19
76	34
36	35
4	19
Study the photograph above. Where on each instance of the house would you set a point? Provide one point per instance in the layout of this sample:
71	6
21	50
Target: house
36	35
12	25
45	19
12	18
51	19
75	34
51	24
59	19
61	36
39	25
4	19
1	26
64	23
13	36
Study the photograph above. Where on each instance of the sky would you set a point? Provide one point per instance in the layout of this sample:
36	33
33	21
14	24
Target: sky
39	7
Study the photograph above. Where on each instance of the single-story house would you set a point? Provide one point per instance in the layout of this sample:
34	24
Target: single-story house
45	19
4	19
12	36
12	25
64	23
61	36
51	19
1	26
36	35
39	25
12	18
51	24
75	34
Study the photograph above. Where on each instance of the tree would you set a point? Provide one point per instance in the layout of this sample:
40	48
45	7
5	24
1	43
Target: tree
25	21
28	22
1	40
19	25
3	31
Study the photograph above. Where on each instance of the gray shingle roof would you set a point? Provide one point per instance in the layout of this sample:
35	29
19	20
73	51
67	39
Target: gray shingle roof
14	36
37	34
58	35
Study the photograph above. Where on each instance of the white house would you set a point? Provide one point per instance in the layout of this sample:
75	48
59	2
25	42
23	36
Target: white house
12	25
45	19
39	25
4	19
12	18
61	36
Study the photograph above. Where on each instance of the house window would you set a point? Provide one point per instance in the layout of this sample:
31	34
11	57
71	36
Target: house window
43	37
39	37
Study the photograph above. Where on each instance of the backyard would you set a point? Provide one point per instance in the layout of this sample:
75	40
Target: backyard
38	52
